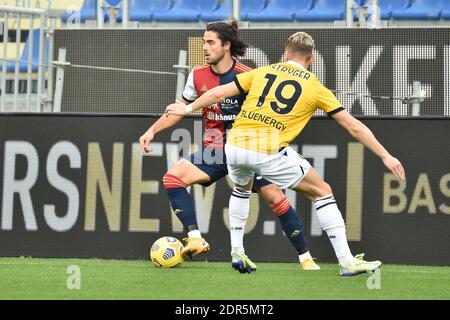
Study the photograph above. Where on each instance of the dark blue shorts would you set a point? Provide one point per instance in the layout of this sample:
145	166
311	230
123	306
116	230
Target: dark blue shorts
213	162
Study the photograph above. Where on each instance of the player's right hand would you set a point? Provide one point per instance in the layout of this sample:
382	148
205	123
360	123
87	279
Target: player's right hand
178	109
144	141
395	166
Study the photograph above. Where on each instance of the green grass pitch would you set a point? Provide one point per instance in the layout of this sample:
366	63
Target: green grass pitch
25	278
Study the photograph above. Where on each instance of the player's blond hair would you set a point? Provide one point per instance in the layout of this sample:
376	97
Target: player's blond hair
300	42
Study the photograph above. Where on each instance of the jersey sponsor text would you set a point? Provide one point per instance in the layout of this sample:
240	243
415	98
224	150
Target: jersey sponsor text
263	118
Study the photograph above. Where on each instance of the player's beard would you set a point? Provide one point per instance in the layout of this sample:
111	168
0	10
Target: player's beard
217	60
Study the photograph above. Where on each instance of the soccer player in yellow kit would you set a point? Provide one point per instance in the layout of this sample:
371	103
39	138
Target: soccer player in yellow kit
281	99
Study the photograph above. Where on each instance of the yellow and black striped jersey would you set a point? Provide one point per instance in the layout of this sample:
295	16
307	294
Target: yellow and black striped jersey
281	99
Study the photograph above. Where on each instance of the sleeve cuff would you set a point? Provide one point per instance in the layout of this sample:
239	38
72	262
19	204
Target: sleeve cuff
238	85
335	111
188	100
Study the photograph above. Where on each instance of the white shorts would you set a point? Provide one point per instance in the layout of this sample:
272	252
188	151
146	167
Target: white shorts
285	169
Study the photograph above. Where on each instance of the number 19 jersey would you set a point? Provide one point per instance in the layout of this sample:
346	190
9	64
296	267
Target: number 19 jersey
281	99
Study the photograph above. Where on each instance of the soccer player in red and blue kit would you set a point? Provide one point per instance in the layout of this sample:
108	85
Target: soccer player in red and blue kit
222	46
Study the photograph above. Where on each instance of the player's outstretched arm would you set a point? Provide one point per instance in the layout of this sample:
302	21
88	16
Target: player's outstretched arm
363	134
210	97
161	124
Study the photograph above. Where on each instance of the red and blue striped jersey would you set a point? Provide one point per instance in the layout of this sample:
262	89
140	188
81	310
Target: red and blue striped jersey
219	117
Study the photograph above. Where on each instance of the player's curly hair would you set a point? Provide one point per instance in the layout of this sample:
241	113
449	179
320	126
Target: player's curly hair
229	32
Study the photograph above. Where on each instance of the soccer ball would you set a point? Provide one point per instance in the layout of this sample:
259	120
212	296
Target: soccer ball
166	253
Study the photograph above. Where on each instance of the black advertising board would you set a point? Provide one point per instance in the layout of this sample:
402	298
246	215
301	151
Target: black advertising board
78	186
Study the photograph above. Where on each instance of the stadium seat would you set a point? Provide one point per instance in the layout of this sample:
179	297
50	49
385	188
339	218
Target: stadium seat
419	10
223	11
87	12
445	13
323	10
280	10
387	6
142	10
186	10
23	67
252	6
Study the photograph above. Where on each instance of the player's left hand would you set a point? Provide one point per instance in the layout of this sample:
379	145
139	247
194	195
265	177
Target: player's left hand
395	166
145	139
177	109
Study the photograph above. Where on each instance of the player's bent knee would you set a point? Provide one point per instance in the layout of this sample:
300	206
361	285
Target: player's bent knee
181	169
271	194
